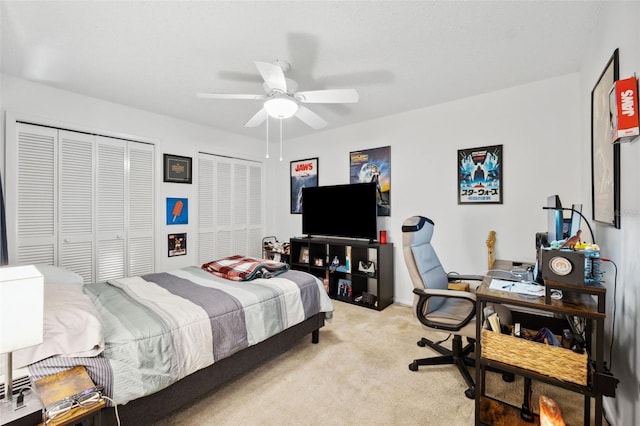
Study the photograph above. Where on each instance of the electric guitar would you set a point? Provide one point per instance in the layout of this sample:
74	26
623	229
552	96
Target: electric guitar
491	242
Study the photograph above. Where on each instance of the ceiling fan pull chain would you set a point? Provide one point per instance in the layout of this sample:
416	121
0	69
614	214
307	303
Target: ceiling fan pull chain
267	156
281	139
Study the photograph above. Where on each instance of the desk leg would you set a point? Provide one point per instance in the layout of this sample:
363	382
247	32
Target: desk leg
587	410
479	374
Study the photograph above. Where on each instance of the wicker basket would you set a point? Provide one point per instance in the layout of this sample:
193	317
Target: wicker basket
552	361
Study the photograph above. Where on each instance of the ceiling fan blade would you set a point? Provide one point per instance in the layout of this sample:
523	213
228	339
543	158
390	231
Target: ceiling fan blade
310	118
331	96
230	96
272	75
257	119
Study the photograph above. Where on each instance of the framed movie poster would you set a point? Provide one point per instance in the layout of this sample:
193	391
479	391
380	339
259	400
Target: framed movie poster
373	165
605	156
177	211
177	244
480	175
303	173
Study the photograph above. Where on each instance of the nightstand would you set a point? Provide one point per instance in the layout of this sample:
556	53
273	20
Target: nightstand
69	384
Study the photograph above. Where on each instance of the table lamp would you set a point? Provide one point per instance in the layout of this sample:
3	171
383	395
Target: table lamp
21	314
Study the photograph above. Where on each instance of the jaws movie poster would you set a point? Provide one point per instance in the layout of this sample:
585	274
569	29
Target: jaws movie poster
304	173
480	175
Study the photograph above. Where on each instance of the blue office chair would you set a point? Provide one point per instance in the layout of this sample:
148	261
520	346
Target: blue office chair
437	307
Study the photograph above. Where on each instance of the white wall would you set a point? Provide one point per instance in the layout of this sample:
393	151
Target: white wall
538	126
619	30
47	105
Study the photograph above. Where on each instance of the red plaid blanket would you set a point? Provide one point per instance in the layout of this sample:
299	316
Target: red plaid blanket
241	268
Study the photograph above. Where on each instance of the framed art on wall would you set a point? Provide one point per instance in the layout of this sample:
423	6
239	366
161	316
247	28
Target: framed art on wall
373	165
177	211
177	169
605	156
480	175
303	174
177	244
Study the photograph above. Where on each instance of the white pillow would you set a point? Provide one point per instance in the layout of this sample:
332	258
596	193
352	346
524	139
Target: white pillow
72	326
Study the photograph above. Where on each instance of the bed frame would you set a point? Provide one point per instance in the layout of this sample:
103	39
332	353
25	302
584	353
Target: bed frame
160	404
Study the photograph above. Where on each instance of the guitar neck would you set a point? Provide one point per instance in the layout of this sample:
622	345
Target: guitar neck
491	241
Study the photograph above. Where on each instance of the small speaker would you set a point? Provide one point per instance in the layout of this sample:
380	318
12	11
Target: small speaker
564	266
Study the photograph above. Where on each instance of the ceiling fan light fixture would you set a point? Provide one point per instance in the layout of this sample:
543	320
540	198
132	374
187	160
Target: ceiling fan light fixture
281	107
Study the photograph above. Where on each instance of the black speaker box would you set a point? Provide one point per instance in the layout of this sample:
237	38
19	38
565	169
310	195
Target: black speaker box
564	266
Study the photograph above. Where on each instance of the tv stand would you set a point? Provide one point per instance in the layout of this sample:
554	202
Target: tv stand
372	288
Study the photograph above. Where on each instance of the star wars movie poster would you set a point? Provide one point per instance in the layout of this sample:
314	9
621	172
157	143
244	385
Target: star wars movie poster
374	165
480	175
304	174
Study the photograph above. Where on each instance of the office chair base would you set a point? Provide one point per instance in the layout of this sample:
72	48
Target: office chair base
457	356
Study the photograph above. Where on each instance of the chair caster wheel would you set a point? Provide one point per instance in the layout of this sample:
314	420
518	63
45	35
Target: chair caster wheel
413	366
470	393
421	343
508	377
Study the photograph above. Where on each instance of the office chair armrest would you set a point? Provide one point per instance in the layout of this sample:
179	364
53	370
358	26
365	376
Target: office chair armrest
445	293
425	294
453	276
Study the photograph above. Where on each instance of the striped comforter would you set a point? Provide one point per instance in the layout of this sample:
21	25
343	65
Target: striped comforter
162	327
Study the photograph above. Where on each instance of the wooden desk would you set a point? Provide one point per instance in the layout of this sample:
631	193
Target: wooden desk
581	303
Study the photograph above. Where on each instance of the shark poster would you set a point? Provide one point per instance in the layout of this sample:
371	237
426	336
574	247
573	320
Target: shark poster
373	165
303	173
480	175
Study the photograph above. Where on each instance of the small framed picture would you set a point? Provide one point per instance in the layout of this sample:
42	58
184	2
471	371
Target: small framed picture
304	255
177	244
177	211
344	288
177	169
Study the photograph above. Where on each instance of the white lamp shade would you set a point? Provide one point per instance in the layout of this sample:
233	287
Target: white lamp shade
281	107
21	307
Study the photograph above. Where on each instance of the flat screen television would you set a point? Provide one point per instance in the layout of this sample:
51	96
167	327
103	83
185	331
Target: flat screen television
340	211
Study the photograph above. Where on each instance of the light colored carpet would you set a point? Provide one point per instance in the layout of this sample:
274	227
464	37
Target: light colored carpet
358	374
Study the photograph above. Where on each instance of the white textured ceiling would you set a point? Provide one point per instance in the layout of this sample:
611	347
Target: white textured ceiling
399	55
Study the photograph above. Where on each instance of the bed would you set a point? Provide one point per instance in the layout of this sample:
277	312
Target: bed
156	342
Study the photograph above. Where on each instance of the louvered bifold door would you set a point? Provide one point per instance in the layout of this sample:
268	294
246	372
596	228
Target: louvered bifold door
32	201
223	201
254	211
140	230
76	203
230	207
206	229
240	208
110	208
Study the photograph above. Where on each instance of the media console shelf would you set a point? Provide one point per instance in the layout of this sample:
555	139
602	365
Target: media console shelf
338	260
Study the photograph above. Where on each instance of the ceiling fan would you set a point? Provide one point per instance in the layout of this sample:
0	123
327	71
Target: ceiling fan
281	99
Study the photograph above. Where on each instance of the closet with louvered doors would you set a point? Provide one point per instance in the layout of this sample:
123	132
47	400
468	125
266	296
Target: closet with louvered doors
81	201
230	207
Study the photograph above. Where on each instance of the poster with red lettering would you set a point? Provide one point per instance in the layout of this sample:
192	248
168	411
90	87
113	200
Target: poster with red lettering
304	174
480	175
373	165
